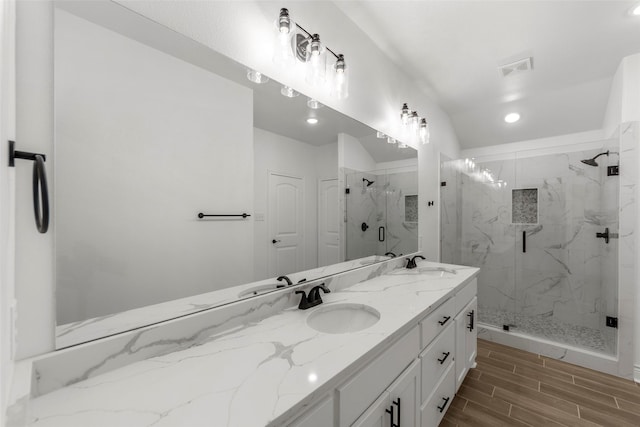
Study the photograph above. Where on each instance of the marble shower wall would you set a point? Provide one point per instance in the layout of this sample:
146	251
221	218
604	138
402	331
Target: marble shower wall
567	275
382	204
450	213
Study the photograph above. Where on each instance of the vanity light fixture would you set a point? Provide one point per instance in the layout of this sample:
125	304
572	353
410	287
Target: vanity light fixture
380	135
309	49
512	117
313	104
415	127
312	120
256	77
288	92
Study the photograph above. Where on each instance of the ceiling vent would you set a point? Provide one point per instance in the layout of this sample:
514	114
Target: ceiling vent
518	67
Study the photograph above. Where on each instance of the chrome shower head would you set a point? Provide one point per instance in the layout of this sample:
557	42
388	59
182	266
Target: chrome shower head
367	181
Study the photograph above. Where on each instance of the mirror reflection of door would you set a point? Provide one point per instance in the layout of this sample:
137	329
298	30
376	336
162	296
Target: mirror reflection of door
286	224
328	222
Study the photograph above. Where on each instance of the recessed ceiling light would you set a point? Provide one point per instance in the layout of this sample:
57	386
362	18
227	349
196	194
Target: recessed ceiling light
312	120
635	10
512	117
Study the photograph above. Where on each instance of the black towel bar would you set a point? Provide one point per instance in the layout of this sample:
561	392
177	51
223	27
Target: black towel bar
243	215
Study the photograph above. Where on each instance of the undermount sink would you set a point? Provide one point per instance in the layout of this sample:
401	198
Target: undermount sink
343	318
436	271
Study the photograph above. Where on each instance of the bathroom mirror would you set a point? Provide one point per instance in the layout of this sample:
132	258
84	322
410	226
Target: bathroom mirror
153	129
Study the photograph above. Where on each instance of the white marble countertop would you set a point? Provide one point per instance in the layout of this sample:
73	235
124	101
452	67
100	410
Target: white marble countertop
258	374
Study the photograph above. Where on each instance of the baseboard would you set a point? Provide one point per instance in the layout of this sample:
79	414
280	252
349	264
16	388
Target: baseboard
636	373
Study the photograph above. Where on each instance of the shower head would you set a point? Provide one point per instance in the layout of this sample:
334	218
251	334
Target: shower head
367	181
592	161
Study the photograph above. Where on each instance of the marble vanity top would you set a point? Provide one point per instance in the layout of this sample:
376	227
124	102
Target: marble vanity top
257	374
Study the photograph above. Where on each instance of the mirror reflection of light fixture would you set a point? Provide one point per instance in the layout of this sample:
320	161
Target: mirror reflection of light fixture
256	77
313	104
307	48
391	140
312	120
380	135
288	92
402	144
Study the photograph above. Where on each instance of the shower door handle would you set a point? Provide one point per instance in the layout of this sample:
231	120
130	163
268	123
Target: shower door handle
381	234
524	242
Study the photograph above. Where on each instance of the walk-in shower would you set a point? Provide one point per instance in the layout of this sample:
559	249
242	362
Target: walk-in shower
531	222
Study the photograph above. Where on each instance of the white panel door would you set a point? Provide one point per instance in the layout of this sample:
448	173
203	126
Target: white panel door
328	222
286	224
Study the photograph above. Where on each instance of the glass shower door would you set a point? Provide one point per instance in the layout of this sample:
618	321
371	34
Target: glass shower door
558	207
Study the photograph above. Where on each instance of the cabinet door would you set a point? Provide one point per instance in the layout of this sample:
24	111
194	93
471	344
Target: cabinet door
404	395
471	337
466	341
321	415
376	415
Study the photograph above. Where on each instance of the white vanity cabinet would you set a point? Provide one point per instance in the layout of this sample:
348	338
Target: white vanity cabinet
399	405
412	382
466	331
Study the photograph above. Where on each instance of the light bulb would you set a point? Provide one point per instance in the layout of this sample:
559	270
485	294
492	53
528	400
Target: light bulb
340	86
404	114
283	51
312	120
424	131
316	61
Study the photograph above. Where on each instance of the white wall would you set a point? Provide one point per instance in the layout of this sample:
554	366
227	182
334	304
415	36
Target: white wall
242	31
143	143
7	179
276	153
352	155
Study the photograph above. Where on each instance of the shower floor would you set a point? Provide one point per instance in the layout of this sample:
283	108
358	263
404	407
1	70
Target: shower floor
548	328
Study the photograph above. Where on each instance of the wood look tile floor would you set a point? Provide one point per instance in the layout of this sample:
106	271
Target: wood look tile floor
511	387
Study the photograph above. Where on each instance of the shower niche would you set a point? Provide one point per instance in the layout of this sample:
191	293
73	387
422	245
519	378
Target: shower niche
531	221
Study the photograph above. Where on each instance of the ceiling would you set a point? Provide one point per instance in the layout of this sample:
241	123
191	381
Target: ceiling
452	50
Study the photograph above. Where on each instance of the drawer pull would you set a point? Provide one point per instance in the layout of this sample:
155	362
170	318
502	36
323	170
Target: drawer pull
446	354
444	320
471	320
391	411
444	405
397	403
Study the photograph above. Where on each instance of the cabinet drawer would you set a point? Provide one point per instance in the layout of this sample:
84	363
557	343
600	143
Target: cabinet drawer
437	321
436	358
356	394
433	410
465	295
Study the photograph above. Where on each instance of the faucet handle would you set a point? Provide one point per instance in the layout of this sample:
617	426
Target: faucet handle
304	302
314	294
